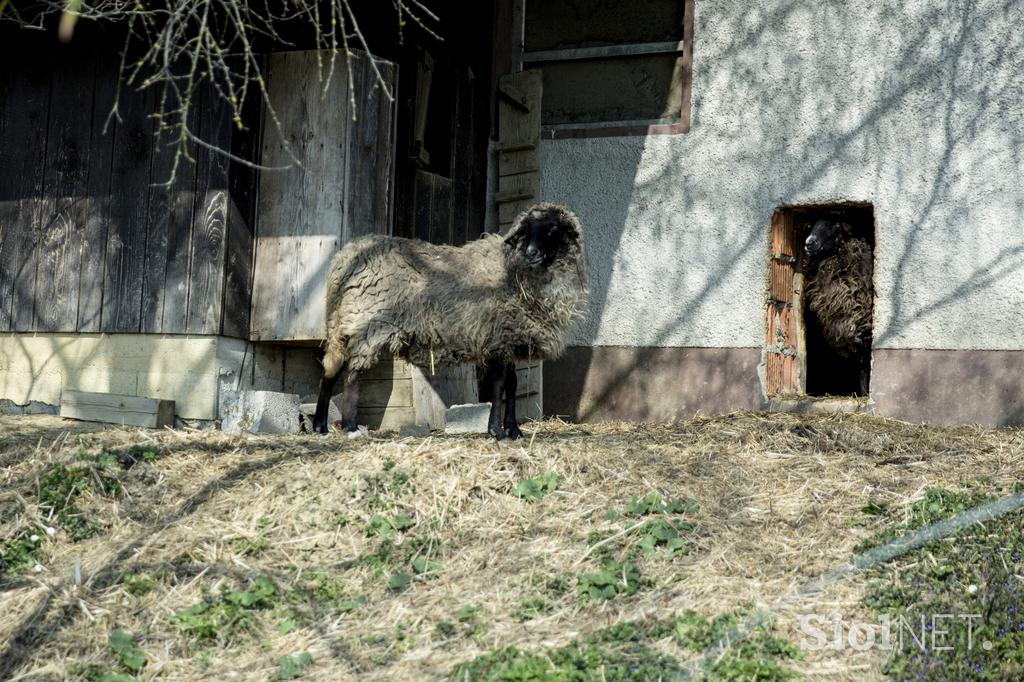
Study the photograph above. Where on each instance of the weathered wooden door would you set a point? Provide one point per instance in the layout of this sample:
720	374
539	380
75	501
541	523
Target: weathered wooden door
519	98
337	185
783	357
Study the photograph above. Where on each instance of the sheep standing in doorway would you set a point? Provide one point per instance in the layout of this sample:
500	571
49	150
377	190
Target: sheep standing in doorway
839	268
488	302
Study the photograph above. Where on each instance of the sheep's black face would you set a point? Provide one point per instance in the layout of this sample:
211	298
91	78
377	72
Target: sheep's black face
542	235
823	238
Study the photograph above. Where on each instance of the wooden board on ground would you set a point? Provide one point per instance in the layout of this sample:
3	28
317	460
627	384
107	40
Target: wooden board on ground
127	410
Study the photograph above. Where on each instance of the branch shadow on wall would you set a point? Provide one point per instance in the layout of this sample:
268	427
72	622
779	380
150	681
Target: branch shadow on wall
946	70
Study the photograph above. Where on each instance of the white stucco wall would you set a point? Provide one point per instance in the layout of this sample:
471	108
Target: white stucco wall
916	107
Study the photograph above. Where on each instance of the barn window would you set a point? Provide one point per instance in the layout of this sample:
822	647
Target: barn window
799	362
611	67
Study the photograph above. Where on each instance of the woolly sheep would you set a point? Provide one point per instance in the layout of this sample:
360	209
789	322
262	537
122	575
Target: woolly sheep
488	302
839	290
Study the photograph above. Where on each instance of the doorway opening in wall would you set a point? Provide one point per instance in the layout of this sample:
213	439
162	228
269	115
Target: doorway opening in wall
820	301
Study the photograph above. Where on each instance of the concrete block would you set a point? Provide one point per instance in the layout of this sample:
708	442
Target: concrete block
260	412
469	418
413	430
308	409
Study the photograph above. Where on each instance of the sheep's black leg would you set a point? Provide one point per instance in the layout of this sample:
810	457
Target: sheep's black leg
323	402
349	399
496	376
511	386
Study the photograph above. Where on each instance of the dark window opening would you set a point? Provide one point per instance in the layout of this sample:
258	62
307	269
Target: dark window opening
609	66
801	358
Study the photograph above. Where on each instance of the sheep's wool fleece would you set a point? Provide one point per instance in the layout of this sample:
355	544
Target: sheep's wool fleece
839	294
444	305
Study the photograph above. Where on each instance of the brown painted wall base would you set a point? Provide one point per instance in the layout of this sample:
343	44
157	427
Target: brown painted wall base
971	387
650	384
656	384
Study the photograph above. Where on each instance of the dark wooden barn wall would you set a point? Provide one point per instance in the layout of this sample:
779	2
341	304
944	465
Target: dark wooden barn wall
90	241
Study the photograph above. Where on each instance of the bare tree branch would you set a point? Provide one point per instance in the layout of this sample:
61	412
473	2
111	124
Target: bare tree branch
187	46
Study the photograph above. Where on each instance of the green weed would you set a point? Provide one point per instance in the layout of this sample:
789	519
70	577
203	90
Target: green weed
466	623
624	652
122	644
426	568
386	527
249	546
327	593
20	552
224	616
533	607
533	489
290	667
976	572
613	579
60	487
652	503
399	581
662	538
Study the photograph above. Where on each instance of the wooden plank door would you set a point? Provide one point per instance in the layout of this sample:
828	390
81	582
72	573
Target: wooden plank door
519	99
783	345
340	187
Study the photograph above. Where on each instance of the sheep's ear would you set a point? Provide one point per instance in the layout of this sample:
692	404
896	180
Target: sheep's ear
521	227
569	224
516	234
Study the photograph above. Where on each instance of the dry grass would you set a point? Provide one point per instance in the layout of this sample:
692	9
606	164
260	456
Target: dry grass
775	498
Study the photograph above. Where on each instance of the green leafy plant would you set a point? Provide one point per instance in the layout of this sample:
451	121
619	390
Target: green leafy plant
425	567
533	607
467	614
533	489
467	623
21	552
625	652
249	546
660	537
127	654
387	527
60	487
325	591
290	667
976	572
399	581
613	579
138	585
224	616
652	503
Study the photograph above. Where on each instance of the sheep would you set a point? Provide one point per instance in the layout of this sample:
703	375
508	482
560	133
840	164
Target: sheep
487	302
839	292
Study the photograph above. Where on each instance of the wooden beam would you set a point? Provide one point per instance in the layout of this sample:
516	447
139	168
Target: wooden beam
512	195
515	147
517	96
127	410
603	52
611	124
